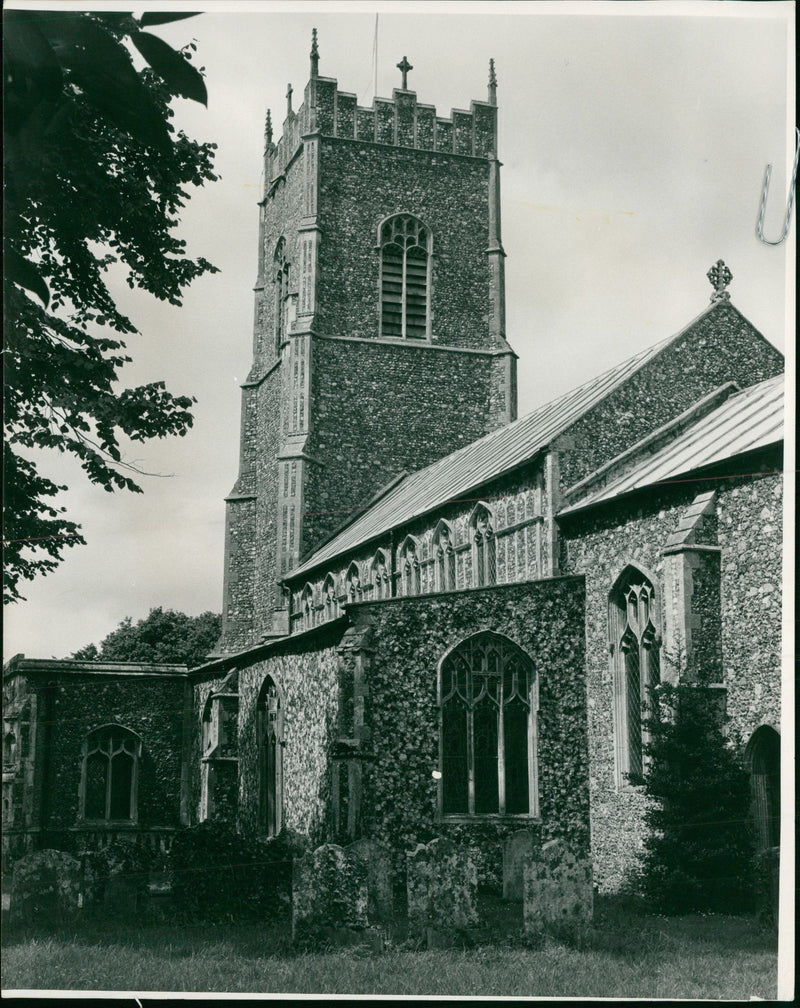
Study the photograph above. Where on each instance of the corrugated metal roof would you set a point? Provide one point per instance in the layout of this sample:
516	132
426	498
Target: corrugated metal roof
477	463
750	419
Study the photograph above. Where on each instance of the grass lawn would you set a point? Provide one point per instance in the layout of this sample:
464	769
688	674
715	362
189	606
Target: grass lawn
627	954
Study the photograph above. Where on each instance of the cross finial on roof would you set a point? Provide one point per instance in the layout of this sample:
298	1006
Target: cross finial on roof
404	66
314	53
289	90
720	276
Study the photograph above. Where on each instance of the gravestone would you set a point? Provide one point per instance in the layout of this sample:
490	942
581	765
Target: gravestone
557	890
329	896
442	881
377	863
46	888
518	849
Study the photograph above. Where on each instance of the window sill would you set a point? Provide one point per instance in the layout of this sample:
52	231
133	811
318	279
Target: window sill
489	817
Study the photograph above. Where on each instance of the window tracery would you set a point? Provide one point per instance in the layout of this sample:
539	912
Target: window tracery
487	707
635	647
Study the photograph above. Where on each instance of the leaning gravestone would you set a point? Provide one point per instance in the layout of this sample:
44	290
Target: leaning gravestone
557	890
518	849
329	897
46	888
442	881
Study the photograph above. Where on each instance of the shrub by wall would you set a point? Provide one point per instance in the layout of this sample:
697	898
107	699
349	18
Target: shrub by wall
218	874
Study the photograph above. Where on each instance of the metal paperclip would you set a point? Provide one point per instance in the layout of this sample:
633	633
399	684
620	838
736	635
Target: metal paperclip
788	218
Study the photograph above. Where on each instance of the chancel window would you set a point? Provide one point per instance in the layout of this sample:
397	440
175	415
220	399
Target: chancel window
409	567
270	757
445	557
405	253
634	644
484	562
110	771
487	710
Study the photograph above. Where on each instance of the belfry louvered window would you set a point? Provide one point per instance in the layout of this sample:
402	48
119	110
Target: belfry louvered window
487	708
405	253
635	655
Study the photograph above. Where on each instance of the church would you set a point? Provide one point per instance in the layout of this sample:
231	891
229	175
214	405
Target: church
440	618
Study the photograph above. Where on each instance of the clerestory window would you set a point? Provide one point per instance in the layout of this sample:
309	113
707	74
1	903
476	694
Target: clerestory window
484	562
381	580
487	711
110	770
405	245
445	557
409	567
634	641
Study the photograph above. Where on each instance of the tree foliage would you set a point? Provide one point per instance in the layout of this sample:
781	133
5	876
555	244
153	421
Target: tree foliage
96	177
698	852
163	637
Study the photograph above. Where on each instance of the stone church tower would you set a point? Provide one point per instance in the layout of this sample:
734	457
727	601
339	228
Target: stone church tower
379	337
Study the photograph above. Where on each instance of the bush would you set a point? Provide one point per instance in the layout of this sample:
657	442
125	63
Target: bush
698	852
221	875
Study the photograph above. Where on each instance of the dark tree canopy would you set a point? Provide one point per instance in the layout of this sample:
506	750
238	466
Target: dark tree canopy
96	175
164	637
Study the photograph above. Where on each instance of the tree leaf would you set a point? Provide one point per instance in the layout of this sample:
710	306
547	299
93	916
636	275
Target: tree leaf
175	70
22	271
155	18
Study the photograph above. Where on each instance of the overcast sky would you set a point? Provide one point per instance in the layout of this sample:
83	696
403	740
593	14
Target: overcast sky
633	143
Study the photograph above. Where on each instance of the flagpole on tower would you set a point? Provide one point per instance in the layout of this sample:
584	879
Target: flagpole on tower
375	60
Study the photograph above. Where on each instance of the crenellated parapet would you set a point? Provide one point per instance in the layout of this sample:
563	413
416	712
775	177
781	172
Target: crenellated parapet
399	121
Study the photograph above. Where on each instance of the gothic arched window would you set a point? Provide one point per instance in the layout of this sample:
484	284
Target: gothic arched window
487	711
381	581
405	245
484	563
330	604
634	644
307	606
409	566
444	557
109	775
270	757
353	583
281	287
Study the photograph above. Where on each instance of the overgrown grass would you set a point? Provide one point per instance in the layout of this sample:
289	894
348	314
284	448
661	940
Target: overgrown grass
625	955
